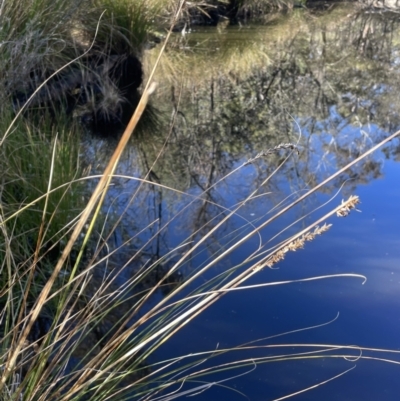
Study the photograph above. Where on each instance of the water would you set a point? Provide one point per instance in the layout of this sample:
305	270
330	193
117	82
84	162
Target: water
329	83
366	243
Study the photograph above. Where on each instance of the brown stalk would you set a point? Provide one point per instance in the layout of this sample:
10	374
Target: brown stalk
99	191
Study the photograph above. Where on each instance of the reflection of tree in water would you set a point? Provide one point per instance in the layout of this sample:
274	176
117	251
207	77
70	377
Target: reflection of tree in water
336	77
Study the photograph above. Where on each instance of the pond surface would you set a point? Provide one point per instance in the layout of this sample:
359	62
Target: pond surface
327	83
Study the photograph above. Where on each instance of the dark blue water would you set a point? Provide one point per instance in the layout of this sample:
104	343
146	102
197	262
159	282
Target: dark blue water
367	315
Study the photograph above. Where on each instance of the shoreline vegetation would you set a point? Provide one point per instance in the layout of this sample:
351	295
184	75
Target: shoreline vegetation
69	328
